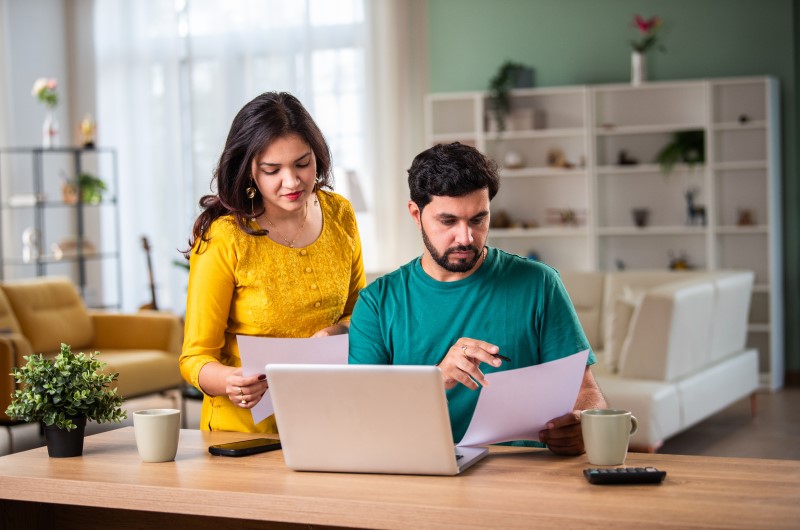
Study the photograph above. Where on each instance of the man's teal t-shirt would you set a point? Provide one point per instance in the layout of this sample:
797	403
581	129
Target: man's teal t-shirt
519	305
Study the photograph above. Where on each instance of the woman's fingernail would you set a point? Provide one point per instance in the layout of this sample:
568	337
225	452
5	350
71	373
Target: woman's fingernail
262	377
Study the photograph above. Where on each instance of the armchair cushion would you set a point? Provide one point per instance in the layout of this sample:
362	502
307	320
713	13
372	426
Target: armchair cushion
50	312
138	331
8	322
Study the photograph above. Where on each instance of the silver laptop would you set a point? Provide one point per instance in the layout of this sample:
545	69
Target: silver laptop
366	419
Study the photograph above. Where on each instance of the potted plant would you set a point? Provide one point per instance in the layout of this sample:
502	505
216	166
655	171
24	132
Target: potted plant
63	393
91	189
685	146
510	75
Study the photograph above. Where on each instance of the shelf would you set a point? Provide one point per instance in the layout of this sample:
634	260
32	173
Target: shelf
745	164
448	138
761	288
533	134
652	231
31	189
648	168
736	126
613	130
743	230
542	172
50	260
551	231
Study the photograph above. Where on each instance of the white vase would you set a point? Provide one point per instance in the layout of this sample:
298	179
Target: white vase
638	68
50	131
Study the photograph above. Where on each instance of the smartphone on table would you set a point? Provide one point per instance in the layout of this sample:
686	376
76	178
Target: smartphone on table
245	447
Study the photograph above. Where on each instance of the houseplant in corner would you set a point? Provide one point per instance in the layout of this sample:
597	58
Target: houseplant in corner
509	75
63	393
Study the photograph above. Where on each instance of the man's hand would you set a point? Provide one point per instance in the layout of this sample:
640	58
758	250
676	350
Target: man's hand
462	363
563	434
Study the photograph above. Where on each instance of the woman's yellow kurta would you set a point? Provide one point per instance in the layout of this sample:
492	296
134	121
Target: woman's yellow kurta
241	284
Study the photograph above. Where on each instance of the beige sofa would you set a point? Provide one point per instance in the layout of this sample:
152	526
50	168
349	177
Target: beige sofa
671	345
37	315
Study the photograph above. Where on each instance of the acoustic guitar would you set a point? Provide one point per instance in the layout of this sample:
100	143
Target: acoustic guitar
152	305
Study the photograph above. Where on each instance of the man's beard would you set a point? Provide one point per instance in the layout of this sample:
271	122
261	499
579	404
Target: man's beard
443	260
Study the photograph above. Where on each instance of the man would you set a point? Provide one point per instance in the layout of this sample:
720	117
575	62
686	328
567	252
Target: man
464	306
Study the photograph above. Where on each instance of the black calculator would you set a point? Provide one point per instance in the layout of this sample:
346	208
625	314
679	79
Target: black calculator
624	475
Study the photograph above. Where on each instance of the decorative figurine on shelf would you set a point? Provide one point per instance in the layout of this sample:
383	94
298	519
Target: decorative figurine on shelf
501	219
87	129
619	264
743	119
556	158
624	160
513	160
679	263
746	217
640	216
566	216
30	244
695	213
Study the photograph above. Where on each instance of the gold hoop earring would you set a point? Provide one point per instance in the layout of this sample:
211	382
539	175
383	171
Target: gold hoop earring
315	190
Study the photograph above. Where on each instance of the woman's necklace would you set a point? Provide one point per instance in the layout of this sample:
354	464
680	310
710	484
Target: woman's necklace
289	242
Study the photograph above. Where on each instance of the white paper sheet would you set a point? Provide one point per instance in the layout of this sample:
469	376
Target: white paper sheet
518	403
257	352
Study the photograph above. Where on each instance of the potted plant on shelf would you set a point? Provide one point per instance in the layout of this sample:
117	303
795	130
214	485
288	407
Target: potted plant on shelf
510	75
688	147
62	393
90	187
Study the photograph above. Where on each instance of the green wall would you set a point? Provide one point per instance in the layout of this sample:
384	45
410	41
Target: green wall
572	42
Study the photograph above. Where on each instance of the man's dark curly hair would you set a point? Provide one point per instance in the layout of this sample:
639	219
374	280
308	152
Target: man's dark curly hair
450	170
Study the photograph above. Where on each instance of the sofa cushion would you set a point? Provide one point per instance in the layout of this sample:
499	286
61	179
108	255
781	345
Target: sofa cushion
733	291
715	387
670	331
656	405
50	312
618	324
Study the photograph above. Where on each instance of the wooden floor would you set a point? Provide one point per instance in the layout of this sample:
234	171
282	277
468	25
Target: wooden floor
773	433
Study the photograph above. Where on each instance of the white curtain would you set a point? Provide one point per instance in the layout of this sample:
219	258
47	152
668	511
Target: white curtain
171	75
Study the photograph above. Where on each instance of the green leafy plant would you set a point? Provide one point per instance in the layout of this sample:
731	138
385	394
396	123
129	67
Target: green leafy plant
69	386
500	86
686	146
91	187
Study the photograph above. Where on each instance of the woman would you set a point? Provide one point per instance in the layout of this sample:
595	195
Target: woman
272	254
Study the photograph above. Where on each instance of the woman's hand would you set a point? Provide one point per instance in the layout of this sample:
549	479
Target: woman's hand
245	391
216	379
336	329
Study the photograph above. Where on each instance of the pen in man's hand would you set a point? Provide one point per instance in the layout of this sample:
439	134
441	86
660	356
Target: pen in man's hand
503	357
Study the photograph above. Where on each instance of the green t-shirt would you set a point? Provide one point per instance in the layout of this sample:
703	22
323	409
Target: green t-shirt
519	305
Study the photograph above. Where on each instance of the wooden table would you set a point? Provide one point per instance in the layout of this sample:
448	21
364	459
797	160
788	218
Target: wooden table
109	487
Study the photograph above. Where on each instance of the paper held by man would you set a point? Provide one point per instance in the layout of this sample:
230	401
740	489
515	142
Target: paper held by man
516	405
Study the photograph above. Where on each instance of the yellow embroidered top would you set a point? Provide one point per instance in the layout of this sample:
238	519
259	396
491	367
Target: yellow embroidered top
250	285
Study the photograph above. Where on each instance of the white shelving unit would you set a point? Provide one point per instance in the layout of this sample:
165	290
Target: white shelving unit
579	217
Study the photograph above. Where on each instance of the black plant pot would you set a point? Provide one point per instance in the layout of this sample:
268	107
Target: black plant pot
62	443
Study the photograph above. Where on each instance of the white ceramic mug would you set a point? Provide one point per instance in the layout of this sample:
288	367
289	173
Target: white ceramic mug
606	433
157	432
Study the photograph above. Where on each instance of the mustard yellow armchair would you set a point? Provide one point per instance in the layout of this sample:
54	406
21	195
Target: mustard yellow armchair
37	315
